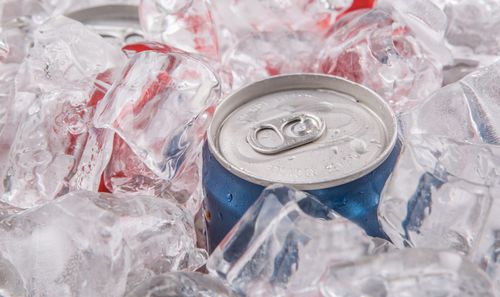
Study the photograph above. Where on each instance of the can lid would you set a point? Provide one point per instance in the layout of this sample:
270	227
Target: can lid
307	130
120	23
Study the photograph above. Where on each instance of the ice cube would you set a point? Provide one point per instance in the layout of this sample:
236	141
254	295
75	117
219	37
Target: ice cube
264	54
466	110
56	148
185	24
439	193
4	47
182	284
236	20
485	253
283	243
473	26
127	173
7	75
161	106
89	244
378	49
11	283
409	273
471	35
443	194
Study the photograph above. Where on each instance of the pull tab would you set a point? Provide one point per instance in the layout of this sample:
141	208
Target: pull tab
292	130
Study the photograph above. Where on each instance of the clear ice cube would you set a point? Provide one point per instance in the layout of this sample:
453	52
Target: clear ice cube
185	24
378	49
260	55
127	173
439	193
55	147
161	106
283	243
443	194
466	110
236	20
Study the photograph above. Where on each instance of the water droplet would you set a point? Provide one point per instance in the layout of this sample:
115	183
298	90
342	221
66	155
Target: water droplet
291	158
220	216
330	167
335	150
374	141
359	146
303	127
336	131
229	197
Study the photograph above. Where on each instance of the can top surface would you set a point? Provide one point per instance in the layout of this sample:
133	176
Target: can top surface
307	130
118	22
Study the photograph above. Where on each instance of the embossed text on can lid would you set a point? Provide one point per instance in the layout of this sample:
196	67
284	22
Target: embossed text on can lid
119	23
306	130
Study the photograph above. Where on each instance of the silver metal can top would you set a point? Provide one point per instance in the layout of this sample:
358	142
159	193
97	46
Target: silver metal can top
307	130
118	23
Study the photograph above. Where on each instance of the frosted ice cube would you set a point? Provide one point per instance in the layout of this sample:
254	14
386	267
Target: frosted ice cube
89	244
182	284
408	273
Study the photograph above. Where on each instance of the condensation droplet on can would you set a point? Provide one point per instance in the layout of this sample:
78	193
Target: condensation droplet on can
359	146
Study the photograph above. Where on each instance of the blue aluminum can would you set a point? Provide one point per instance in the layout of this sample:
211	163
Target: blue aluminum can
322	134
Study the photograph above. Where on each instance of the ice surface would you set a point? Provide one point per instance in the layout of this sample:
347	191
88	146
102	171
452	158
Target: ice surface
185	24
408	273
283	244
55	147
182	284
380	49
89	244
161	106
466	110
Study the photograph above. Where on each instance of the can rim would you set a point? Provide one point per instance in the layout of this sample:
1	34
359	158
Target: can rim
310	81
123	11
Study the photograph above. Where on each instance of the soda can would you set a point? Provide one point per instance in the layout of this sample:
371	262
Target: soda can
322	134
117	23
